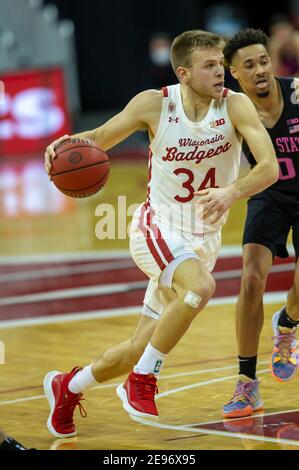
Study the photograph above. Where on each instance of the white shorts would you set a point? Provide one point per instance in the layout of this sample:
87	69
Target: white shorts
155	248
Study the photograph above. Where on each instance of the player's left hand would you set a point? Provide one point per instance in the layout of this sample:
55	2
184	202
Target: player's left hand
215	202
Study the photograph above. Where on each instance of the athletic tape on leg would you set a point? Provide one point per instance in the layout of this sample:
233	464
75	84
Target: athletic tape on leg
192	299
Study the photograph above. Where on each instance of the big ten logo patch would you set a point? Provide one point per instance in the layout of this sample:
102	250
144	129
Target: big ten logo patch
2	352
217	123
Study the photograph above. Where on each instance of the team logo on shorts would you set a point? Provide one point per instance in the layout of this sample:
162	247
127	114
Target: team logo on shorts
217	123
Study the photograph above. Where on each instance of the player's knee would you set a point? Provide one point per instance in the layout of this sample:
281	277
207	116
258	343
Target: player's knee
253	283
197	294
206	287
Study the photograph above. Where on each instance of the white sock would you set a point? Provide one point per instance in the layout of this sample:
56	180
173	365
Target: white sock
150	362
82	381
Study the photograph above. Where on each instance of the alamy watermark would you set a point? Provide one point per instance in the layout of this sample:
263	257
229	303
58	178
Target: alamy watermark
114	222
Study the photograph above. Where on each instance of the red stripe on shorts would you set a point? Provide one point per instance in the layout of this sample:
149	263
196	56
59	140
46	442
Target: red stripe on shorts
149	241
159	239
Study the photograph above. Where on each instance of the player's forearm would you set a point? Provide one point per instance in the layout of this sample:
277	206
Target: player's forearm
103	138
91	135
96	136
263	175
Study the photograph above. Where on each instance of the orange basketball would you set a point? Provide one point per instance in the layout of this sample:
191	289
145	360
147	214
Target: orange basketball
80	169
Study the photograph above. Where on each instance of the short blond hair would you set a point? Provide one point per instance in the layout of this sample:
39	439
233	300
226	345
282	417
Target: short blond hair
184	44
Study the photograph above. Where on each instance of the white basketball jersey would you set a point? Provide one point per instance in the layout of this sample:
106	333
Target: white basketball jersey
187	156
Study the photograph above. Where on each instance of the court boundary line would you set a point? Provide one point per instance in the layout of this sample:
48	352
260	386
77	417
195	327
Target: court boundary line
255	415
113	288
162	377
74	293
197	430
190	428
68	270
202	384
269	298
61	271
213	432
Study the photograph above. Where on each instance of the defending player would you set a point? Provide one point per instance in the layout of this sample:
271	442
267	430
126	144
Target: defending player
195	133
271	215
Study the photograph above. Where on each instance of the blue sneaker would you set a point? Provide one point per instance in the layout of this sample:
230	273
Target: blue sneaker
246	399
285	359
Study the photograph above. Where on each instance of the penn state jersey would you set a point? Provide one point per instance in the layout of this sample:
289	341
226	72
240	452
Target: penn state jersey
285	138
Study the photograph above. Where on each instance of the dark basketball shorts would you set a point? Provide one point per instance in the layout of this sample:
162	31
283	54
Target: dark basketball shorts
268	224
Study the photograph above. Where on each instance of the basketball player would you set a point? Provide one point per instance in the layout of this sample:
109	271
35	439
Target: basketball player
271	215
195	133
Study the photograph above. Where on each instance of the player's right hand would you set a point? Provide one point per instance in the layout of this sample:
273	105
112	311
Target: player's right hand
50	154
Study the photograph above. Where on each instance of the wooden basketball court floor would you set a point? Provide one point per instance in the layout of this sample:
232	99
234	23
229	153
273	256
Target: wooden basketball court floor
197	378
63	302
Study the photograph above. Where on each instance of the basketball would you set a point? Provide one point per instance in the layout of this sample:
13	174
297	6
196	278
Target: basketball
80	169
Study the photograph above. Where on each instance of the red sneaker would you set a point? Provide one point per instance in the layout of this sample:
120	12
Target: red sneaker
62	403
138	394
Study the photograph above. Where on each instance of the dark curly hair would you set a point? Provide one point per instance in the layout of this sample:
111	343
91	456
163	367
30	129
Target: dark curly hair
243	38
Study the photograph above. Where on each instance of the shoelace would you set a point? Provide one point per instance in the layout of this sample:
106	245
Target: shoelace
82	411
241	392
283	343
146	389
149	392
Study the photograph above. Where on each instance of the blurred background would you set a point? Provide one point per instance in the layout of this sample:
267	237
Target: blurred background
68	66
